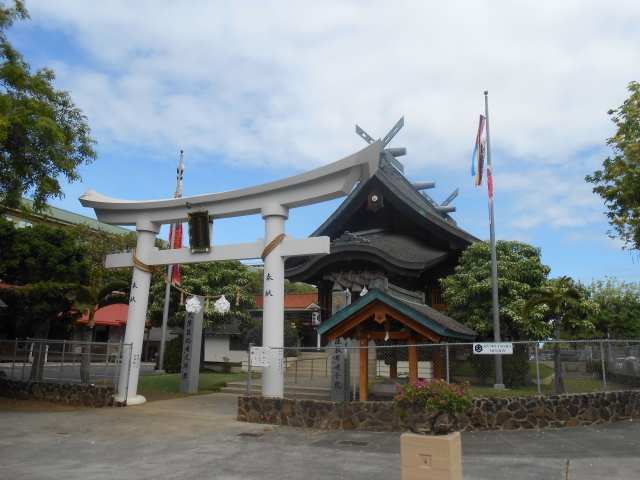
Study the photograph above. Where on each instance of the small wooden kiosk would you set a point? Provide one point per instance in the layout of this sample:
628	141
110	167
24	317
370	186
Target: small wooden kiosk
391	313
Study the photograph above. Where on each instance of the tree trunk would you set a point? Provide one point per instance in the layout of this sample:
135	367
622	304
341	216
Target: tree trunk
85	361
557	366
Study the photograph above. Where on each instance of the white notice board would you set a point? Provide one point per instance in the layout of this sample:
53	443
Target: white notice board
493	348
260	356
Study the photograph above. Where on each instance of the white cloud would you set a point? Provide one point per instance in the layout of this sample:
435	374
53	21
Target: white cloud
280	84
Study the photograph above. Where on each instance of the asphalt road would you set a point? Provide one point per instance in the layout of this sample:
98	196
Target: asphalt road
198	438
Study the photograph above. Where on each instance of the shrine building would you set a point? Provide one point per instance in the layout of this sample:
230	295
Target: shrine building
391	243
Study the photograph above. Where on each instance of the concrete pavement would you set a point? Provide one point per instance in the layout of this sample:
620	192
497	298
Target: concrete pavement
198	437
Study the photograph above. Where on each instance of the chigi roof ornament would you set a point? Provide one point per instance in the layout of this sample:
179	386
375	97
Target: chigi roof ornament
390	155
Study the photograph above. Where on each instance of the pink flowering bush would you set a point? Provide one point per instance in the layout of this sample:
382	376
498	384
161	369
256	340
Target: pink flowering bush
437	396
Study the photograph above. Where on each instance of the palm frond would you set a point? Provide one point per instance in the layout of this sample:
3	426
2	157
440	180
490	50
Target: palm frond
111	287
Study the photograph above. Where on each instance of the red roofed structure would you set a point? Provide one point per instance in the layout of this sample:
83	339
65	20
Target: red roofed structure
293	301
110	316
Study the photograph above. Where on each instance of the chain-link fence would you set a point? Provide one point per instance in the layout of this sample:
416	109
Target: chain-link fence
64	361
337	372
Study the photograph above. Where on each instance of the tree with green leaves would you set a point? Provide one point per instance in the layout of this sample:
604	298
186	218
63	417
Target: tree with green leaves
41	254
205	279
43	135
618	315
618	183
87	300
557	296
296	287
468	290
202	279
42	259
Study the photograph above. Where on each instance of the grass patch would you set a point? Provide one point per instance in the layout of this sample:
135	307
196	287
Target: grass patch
545	371
162	387
571	385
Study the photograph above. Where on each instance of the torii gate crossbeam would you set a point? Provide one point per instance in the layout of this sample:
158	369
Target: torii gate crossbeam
273	201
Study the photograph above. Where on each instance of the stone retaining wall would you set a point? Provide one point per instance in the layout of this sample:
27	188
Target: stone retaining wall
65	393
552	411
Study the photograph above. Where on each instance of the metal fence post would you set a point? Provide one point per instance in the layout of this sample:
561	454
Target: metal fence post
117	372
249	369
73	362
15	352
64	344
354	371
537	368
447	358
39	362
24	359
604	374
106	362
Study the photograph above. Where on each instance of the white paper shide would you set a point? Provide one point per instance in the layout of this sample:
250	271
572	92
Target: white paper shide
193	305
222	305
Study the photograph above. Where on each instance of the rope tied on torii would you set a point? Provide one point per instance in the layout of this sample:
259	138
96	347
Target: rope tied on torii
140	265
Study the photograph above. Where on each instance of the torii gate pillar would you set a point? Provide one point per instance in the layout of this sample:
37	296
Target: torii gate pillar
273	310
138	300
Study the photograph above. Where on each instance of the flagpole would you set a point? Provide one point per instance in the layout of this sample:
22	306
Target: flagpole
167	292
499	384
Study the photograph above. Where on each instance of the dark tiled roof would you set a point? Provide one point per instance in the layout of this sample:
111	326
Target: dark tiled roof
406	248
396	184
432	319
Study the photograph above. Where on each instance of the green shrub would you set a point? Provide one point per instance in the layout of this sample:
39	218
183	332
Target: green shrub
226	366
173	355
515	367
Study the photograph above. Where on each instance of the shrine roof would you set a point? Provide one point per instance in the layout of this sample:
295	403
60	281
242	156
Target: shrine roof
405	252
394	185
430	318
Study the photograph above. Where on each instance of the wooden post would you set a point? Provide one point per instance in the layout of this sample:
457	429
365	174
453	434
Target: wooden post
413	360
364	370
437	364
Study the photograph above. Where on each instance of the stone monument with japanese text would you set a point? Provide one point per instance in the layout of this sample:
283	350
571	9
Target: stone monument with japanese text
191	344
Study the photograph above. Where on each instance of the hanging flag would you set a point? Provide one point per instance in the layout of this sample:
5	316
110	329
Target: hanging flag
477	158
490	189
177	242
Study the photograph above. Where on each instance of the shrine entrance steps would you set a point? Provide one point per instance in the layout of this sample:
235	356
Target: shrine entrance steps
240	388
305	376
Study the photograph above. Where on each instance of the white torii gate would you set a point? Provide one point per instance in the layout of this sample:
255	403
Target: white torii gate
273	200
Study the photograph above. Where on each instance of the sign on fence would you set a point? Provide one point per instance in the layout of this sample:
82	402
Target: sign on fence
260	356
493	348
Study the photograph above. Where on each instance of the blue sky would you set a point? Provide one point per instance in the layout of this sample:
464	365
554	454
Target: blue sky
258	90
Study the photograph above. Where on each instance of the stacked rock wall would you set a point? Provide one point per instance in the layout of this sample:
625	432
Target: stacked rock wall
65	393
489	413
